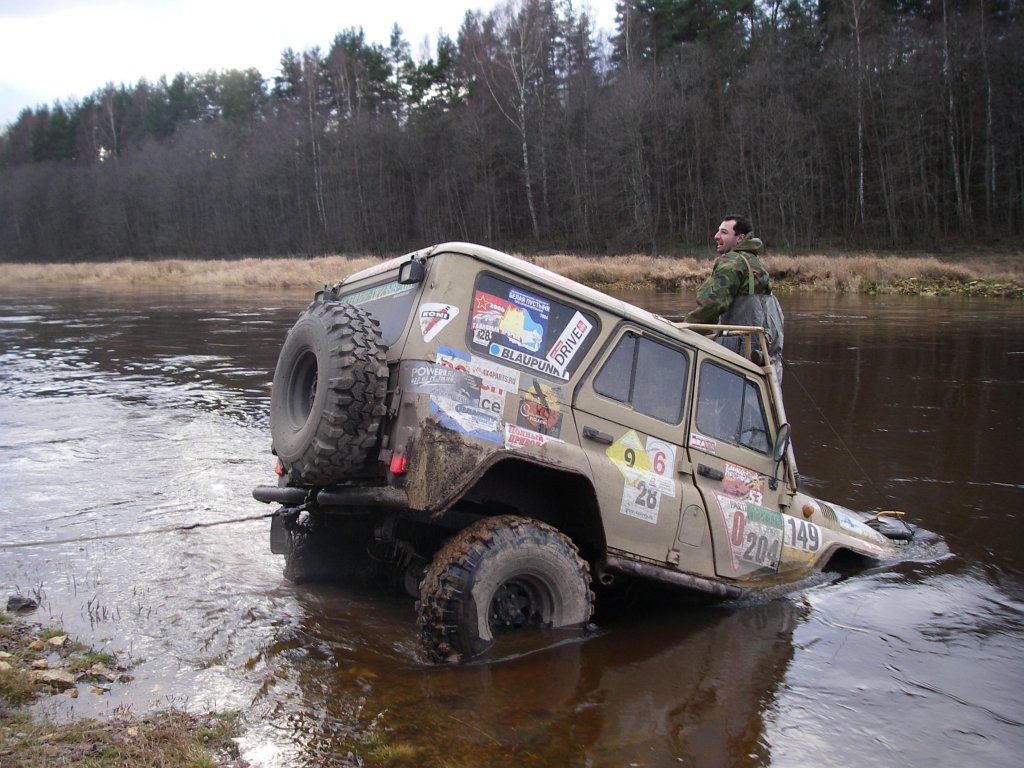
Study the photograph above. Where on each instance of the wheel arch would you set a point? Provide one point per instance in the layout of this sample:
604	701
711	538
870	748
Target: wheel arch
561	498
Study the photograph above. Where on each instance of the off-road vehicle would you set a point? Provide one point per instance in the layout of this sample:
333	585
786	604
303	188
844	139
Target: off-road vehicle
506	440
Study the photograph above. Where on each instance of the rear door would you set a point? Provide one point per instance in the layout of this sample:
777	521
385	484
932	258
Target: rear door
631	413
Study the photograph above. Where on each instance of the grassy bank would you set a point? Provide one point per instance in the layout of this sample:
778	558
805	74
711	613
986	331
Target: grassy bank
852	273
38	661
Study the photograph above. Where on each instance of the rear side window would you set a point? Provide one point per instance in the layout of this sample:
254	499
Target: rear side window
527	329
729	407
390	304
645	375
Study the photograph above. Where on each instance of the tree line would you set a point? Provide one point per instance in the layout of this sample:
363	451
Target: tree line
852	123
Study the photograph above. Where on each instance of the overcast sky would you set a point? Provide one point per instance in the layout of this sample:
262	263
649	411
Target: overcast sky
56	49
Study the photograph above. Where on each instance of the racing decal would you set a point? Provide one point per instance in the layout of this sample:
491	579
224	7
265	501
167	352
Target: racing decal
434	317
496	380
569	343
743	483
520	437
701	443
455	399
517	322
628	454
801	535
540	409
755	533
647	474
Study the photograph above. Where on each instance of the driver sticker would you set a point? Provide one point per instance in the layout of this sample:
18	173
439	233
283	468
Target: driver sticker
434	317
755	533
569	342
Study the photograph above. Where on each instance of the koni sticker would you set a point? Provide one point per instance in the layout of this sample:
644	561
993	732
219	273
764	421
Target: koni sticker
434	317
743	483
540	409
755	533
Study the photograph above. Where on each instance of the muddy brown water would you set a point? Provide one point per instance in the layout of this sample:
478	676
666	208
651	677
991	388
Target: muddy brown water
129	412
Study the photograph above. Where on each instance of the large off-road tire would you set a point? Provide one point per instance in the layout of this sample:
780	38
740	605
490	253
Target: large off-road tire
328	393
500	574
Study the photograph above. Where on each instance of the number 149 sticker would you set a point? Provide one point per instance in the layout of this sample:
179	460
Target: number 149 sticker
647	472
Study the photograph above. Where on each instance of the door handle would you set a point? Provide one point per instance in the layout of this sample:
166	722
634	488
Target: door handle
710	472
597	436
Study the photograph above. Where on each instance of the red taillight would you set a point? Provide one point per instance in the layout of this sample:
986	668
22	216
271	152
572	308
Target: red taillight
399	463
279	468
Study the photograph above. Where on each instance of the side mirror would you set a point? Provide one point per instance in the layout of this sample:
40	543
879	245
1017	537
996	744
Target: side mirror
778	451
411	272
781	443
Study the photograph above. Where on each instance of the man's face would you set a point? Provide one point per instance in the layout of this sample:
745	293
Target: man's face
726	238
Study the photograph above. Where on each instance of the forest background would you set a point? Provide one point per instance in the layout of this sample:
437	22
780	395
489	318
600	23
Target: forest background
857	124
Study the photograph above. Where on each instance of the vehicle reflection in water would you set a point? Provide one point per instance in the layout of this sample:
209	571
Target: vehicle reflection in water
649	686
123	413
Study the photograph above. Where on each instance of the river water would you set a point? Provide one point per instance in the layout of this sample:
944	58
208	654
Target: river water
124	414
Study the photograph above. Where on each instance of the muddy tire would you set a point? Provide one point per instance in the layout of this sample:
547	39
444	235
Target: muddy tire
328	393
330	549
500	574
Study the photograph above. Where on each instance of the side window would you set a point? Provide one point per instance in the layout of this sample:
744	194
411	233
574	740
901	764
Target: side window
729	408
645	375
528	329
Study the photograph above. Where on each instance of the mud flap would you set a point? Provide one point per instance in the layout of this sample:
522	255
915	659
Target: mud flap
278	536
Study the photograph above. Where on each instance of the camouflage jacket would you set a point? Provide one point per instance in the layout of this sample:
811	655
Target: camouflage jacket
728	280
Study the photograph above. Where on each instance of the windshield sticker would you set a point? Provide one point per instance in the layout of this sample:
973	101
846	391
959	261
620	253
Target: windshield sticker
569	343
540	409
755	533
517	322
495	380
701	443
434	317
743	483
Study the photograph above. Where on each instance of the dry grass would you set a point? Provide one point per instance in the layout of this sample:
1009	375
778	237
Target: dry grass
1002	276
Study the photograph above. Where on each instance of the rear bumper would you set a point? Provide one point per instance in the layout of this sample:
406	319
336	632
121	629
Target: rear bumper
387	497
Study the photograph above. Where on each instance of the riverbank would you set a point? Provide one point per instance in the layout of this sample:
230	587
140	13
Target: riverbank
990	275
38	661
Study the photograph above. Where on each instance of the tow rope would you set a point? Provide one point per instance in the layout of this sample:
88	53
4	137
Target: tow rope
148	532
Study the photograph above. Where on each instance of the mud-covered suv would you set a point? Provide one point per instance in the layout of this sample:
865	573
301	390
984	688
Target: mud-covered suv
505	439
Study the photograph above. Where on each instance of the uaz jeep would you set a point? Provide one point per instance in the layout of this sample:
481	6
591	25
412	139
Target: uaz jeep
502	437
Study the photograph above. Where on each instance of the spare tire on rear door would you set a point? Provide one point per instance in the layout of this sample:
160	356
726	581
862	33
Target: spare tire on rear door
328	394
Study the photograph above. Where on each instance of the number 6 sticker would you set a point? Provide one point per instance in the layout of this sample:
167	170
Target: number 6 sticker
663	466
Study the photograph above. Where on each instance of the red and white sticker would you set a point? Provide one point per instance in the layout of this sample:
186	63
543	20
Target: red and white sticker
701	443
434	317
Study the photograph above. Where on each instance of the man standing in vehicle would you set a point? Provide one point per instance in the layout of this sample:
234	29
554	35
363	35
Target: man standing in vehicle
739	289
